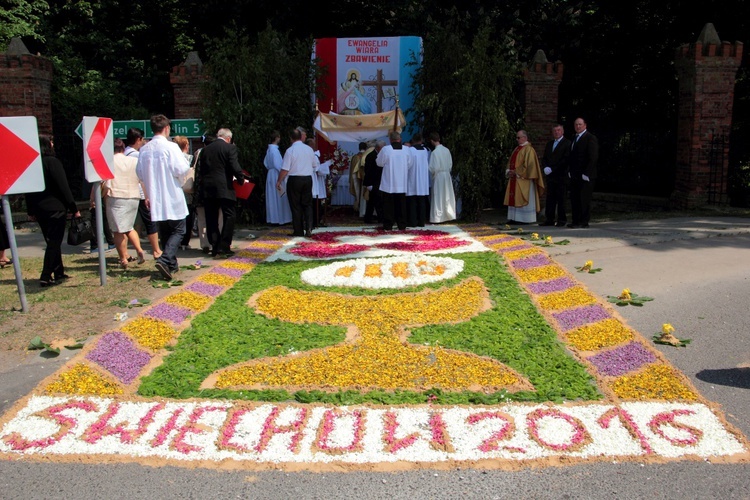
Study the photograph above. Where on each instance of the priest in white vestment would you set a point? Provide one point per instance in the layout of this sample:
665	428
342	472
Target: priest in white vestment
443	201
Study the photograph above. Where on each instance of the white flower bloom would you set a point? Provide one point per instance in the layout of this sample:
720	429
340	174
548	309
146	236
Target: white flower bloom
394	272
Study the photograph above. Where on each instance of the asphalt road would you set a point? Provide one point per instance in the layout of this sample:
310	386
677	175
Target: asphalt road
698	271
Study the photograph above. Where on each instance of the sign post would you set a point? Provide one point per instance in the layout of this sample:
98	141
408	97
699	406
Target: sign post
98	162
21	172
191	128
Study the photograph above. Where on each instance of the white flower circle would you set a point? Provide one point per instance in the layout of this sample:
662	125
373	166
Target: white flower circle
385	272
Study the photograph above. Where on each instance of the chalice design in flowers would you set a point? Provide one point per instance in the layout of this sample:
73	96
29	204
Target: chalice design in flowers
376	353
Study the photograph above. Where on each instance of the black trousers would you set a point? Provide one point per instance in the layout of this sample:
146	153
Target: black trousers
554	209
53	229
394	210
374	206
299	191
221	241
418	208
580	200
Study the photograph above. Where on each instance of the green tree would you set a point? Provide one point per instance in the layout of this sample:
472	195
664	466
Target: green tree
257	84
21	18
466	94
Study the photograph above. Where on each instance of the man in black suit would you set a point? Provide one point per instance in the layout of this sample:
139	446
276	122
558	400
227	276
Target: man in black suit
371	182
218	167
583	158
555	165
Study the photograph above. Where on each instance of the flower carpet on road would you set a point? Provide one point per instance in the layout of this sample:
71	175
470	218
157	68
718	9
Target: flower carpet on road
439	347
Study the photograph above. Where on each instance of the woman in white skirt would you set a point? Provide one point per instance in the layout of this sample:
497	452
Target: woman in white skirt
122	198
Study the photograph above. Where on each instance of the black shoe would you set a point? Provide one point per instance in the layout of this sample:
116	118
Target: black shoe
561	224
308	234
584	226
574	226
46	283
164	270
547	224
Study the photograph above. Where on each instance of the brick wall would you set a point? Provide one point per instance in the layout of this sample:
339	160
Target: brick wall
25	88
706	71
541	96
187	80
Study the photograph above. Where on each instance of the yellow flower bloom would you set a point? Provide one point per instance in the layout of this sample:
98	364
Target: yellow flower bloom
150	332
82	379
548	240
191	300
667	328
540	273
573	297
595	336
625	295
378	356
534	236
654	382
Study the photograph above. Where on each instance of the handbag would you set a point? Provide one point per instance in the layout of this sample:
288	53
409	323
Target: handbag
79	231
188	185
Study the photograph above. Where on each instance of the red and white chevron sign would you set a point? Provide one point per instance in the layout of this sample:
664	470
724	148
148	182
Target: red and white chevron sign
20	160
98	145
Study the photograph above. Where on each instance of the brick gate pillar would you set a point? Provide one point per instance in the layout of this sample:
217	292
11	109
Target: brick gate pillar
542	81
706	72
25	85
187	81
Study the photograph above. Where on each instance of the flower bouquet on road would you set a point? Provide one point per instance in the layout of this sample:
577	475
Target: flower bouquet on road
628	298
666	337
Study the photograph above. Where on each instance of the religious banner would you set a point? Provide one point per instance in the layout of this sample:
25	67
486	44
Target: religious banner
364	76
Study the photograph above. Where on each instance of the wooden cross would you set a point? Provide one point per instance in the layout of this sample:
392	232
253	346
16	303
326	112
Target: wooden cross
379	83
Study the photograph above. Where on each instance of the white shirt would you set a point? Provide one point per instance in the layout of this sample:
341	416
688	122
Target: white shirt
396	164
419	174
162	167
300	159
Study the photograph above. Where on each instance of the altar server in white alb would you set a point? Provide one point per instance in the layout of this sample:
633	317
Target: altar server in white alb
277	203
418	185
396	163
443	201
320	187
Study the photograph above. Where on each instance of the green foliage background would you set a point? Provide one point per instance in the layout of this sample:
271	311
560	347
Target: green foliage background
114	58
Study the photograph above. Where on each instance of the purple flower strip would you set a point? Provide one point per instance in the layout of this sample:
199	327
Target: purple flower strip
531	261
623	359
235	273
573	318
117	354
549	286
205	288
168	312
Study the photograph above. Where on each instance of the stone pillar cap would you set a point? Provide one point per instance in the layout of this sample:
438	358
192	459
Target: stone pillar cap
16	47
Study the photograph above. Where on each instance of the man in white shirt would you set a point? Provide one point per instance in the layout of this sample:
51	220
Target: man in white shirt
395	162
298	167
161	168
